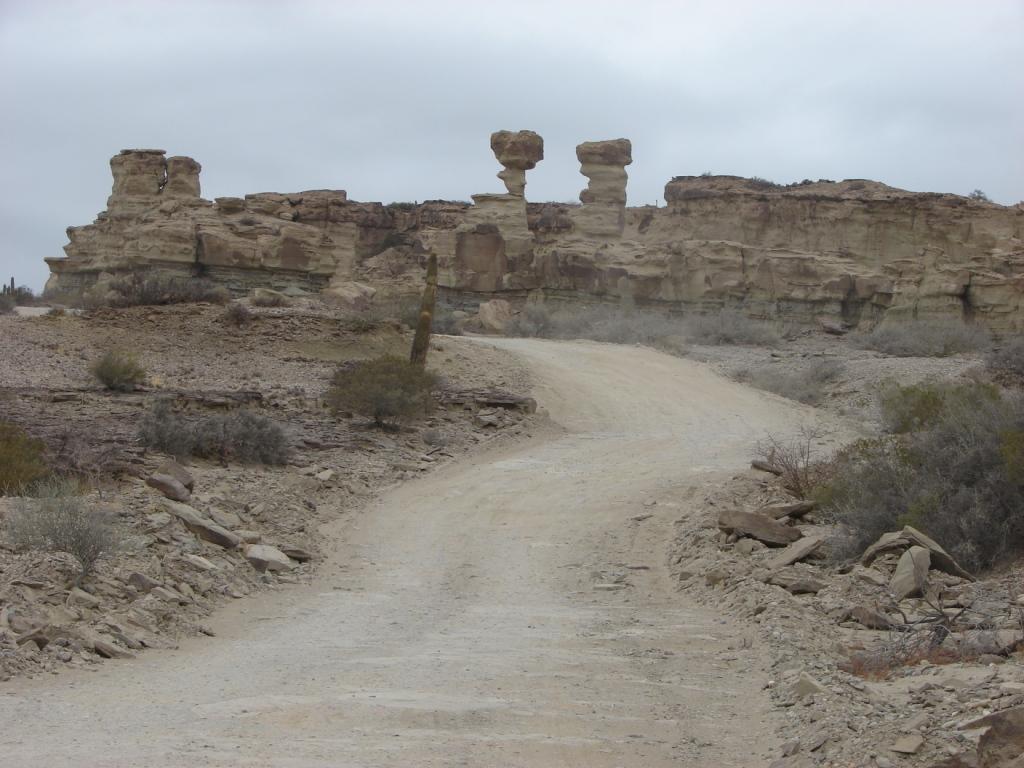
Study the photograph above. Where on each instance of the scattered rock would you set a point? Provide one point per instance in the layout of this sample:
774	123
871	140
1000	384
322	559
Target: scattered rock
203	527
757	526
904	539
911	576
267	558
169	486
794	509
908	745
142	582
796	551
806	686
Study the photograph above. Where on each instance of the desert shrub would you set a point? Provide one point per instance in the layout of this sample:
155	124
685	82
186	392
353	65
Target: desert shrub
730	327
920	338
7	304
239	435
1009	358
605	323
237	315
387	389
918	406
157	289
118	370
270	300
799	461
957	474
807	385
56	312
445	322
60	520
980	196
21	460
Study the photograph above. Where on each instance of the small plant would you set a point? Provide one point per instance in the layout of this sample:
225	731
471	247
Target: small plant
238	315
60	520
21	460
921	338
980	196
119	371
270	300
797	461
389	390
808	385
240	435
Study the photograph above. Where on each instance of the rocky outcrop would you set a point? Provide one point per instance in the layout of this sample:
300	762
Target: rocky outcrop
850	252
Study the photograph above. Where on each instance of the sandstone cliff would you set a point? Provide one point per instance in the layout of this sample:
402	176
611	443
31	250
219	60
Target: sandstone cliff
854	250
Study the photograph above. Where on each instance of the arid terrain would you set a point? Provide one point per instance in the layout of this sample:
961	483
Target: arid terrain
488	586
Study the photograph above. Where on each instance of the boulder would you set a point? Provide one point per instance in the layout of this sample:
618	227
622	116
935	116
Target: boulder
757	526
896	541
142	582
296	553
796	551
494	315
264	557
795	509
178	472
910	579
202	526
869	617
909	744
169	486
805	686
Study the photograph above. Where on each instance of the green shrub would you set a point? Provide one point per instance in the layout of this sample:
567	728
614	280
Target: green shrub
806	385
924	338
59	520
918	406
21	460
239	435
956	474
387	389
119	371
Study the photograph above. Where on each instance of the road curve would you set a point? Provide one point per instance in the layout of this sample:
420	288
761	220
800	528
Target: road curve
507	610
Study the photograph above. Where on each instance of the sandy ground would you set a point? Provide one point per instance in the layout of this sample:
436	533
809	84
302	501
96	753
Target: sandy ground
513	609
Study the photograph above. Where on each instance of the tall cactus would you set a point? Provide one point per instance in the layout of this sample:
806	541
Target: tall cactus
421	342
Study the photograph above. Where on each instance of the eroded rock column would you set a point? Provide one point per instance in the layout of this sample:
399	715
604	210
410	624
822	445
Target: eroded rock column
604	200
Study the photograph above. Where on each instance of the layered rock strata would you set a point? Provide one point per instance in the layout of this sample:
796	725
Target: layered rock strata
855	251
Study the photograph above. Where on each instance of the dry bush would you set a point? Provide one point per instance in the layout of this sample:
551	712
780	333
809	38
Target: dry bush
924	338
808	385
239	435
237	315
957	475
158	289
60	520
21	460
270	300
605	323
1008	359
387	389
730	327
119	371
798	461
7	304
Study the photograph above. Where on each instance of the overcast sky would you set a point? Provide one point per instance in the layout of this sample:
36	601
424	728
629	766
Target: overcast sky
396	100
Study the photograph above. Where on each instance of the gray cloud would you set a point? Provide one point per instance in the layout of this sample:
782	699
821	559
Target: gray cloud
396	100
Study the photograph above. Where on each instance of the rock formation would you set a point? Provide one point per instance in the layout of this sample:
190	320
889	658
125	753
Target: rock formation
854	251
604	200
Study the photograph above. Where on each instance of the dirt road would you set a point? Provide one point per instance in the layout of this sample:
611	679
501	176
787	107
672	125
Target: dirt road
511	610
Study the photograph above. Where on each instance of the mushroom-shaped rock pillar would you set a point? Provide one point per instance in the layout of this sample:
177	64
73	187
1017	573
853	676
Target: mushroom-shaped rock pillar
518	152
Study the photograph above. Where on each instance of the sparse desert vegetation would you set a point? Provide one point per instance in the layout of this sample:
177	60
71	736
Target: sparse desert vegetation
936	337
807	384
22	460
118	370
389	390
240	435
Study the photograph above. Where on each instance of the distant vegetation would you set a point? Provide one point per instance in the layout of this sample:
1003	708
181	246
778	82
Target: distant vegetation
806	385
924	338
